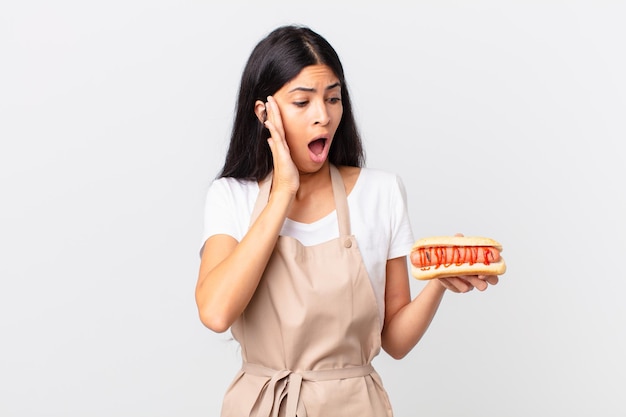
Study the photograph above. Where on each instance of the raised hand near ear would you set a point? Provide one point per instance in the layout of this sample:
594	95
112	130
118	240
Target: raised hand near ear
286	177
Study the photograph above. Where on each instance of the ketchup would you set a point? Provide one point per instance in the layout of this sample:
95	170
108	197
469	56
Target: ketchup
458	255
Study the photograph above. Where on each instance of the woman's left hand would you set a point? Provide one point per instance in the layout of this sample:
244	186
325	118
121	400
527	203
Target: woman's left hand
466	283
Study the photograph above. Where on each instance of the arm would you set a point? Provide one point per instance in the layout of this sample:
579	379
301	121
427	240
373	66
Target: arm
230	271
406	321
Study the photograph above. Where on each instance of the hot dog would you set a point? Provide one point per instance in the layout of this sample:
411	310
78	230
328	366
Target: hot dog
445	256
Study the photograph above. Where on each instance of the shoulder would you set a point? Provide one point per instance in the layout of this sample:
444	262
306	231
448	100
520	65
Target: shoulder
228	193
378	192
370	176
378	180
232	186
228	205
375	174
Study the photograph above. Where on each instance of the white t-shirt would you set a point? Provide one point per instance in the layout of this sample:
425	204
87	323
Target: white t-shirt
379	220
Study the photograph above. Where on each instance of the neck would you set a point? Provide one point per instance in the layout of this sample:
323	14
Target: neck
312	182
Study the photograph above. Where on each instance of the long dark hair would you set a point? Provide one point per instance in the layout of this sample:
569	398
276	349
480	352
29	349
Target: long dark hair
277	59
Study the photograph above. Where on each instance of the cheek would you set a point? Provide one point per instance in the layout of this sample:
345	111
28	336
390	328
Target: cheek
337	115
293	122
290	124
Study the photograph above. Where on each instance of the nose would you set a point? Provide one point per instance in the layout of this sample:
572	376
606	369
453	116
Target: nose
322	117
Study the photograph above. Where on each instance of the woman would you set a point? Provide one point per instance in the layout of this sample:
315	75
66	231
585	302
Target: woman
305	251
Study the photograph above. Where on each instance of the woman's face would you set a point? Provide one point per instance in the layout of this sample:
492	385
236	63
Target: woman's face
311	109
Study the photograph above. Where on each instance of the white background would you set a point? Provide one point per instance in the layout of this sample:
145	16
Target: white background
504	119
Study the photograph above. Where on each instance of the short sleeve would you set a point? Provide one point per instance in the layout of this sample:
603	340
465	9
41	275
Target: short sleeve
401	232
227	209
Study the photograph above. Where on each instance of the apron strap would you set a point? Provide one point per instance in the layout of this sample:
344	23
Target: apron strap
263	197
341	202
339	193
285	383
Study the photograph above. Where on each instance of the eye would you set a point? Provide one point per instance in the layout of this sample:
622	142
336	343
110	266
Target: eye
300	103
334	100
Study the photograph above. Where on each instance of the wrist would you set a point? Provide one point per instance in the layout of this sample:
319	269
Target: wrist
282	196
437	285
281	199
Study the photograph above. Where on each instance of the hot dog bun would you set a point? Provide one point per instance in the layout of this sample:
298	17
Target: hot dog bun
445	256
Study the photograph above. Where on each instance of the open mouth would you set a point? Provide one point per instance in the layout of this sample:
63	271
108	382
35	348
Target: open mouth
318	150
317	146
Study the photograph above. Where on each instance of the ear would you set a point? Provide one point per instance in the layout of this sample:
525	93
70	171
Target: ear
259	110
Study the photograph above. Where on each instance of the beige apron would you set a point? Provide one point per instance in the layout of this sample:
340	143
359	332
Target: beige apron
310	331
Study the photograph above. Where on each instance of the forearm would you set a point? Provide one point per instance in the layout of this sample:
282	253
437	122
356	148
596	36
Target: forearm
229	276
407	326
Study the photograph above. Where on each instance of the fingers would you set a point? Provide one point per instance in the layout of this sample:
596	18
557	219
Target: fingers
466	283
476	282
455	284
286	175
274	122
491	279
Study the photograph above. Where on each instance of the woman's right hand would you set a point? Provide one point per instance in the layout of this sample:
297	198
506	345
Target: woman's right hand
230	271
286	176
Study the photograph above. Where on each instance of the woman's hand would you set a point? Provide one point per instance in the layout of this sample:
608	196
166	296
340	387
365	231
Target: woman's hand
286	176
466	283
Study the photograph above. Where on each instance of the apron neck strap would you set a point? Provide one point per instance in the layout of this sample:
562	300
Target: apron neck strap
339	193
341	201
262	198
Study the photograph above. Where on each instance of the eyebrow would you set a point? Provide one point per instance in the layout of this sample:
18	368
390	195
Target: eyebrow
311	90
